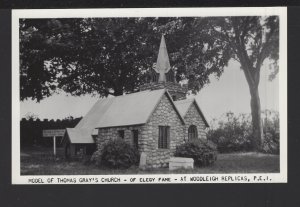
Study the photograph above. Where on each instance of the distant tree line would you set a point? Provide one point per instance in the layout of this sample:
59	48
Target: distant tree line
31	129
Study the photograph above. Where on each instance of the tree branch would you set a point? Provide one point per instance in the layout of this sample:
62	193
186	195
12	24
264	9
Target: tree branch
243	56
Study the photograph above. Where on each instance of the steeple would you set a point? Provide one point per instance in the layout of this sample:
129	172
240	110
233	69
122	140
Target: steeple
162	76
162	64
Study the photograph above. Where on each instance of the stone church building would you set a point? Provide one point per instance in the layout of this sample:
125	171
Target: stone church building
155	120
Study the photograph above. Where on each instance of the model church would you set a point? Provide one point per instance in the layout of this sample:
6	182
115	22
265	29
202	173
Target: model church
155	120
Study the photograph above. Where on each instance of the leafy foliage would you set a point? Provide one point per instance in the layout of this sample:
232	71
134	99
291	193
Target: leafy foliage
112	55
234	133
119	154
42	44
271	142
202	151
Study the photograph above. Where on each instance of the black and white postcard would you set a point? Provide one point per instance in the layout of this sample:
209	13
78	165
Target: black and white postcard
139	96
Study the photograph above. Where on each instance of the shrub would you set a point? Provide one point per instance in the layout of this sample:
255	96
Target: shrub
269	144
119	154
271	132
234	133
230	143
203	152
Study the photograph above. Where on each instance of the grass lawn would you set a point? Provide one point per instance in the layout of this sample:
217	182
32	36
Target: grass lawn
40	161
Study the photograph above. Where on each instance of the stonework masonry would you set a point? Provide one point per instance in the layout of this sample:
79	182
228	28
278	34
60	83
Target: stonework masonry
106	134
164	115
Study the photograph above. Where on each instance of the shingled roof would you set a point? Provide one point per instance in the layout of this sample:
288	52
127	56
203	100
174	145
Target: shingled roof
184	105
126	110
132	109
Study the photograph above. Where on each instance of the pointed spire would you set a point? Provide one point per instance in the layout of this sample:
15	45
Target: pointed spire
163	63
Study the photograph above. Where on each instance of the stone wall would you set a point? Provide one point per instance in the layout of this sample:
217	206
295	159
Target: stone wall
173	88
106	134
164	115
193	117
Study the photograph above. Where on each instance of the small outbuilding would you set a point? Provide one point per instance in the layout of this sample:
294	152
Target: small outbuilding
78	142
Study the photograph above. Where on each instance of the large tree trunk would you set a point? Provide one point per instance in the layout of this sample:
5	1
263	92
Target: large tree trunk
257	129
253	82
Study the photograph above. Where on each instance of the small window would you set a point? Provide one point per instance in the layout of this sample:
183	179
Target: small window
164	137
193	134
121	134
135	137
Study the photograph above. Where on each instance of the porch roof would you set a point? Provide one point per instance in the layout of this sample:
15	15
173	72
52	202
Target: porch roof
79	136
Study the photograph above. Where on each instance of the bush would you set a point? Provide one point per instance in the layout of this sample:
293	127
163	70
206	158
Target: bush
203	152
271	132
231	143
119	154
234	133
270	144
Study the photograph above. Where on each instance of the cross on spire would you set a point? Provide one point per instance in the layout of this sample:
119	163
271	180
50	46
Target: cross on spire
162	63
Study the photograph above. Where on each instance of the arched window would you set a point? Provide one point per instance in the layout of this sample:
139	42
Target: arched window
192	133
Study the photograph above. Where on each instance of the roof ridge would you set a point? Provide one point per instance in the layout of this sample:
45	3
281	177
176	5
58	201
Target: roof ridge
135	93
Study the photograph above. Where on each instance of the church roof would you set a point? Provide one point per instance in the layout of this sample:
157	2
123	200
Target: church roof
90	120
125	110
184	105
131	109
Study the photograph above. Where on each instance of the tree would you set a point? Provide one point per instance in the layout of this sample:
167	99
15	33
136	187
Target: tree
108	55
248	40
97	56
251	40
42	43
106	60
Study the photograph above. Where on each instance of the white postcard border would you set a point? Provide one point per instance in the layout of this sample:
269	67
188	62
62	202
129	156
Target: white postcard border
140	178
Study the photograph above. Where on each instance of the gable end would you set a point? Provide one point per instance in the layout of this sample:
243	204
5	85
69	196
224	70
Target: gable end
200	112
172	103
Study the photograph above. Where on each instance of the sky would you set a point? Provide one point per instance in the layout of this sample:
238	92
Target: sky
228	93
